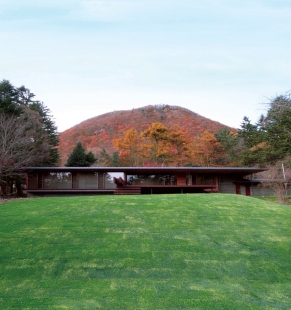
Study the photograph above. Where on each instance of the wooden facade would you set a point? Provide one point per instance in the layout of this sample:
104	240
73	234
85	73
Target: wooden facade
44	181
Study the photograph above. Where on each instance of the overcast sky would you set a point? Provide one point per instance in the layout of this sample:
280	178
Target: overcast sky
221	59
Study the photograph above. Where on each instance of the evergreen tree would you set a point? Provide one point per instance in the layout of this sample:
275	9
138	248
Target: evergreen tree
250	133
9	103
269	139
18	101
277	125
252	137
91	159
115	159
230	142
79	158
103	159
28	134
50	129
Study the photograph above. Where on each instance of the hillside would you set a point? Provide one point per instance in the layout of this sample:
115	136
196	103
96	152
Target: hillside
98	132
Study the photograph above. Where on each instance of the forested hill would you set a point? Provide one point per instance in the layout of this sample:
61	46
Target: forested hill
100	131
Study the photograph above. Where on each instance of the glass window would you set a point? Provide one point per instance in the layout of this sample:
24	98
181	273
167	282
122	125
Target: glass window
32	180
188	179
168	179
206	179
173	180
144	179
151	179
88	180
58	180
108	178
100	180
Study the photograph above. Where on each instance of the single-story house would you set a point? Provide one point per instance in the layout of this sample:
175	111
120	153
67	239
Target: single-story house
45	181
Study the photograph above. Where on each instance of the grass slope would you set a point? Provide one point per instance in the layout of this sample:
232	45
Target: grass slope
145	252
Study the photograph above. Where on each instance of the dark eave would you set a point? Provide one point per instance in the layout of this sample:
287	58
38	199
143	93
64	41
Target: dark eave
149	170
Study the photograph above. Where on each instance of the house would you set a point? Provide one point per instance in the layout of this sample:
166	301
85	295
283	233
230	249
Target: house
47	181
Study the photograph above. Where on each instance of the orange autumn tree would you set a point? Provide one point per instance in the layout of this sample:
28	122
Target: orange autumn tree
207	150
181	147
156	147
129	148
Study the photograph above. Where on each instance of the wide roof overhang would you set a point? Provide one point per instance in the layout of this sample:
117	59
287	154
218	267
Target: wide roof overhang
149	170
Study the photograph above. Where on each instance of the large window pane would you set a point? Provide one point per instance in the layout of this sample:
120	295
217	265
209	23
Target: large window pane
108	178
206	179
88	180
100	180
32	181
188	179
58	180
151	179
143	179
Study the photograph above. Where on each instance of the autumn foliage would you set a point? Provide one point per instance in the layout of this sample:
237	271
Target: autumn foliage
207	150
129	148
150	136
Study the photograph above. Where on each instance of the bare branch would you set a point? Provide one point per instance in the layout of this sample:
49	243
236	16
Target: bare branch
278	178
23	143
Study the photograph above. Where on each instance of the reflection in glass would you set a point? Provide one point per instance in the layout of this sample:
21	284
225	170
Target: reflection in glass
206	179
88	180
58	180
151	179
108	178
32	180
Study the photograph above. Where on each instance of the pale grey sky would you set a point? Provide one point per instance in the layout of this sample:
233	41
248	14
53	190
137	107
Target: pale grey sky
82	58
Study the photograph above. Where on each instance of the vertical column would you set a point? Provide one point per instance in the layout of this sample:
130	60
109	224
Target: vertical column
216	182
74	180
26	180
40	180
100	180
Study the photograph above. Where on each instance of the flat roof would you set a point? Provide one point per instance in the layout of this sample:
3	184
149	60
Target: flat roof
149	170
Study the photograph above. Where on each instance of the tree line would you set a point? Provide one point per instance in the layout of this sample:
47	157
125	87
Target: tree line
156	146
29	137
28	134
261	144
264	143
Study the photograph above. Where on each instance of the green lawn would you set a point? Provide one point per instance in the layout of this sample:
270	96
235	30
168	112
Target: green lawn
204	251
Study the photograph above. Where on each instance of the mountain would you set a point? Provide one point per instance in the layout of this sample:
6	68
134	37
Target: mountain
98	132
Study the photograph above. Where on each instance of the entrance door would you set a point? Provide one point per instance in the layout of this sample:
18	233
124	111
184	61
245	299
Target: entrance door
248	190
237	189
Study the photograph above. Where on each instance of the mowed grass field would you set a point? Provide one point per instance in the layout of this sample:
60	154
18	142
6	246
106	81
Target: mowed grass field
202	251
